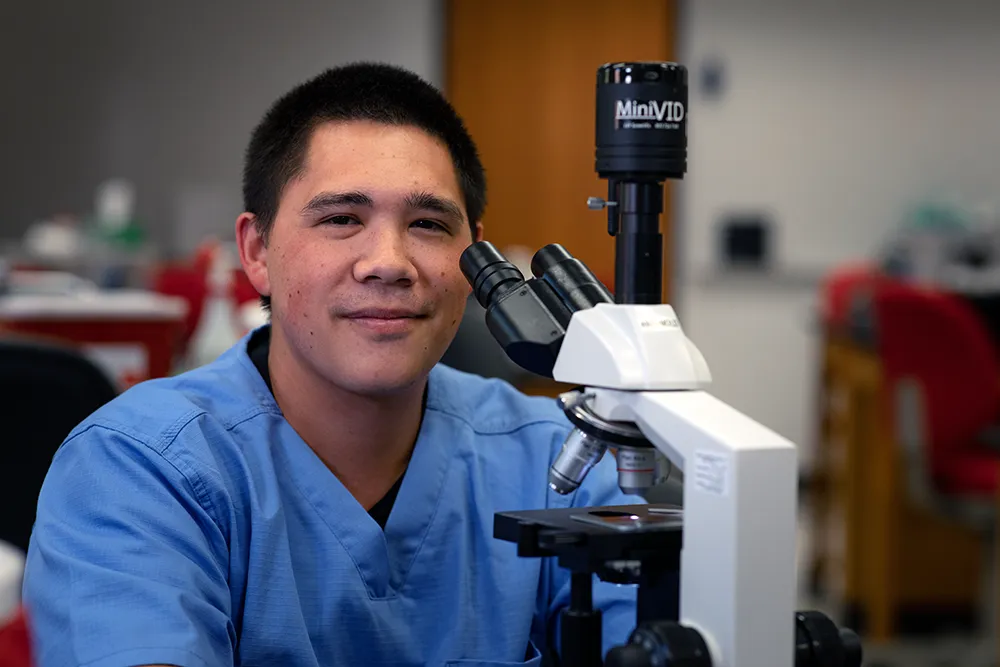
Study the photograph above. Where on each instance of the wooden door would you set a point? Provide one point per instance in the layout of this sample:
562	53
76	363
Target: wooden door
522	73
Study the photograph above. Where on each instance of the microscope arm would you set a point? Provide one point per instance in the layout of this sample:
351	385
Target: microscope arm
738	560
740	478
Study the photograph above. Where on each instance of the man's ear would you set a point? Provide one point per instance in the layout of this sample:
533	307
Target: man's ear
253	252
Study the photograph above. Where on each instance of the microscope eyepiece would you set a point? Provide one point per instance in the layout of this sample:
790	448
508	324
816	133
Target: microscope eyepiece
576	286
488	272
547	257
526	317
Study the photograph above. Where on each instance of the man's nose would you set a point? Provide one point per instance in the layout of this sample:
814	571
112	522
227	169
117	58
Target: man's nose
385	258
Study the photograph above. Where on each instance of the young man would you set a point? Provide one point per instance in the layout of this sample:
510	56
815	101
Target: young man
323	493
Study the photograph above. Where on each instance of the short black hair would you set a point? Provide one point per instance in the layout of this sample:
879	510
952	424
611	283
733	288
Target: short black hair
363	91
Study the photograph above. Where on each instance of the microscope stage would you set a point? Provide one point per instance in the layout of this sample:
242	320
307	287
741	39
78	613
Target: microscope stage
598	534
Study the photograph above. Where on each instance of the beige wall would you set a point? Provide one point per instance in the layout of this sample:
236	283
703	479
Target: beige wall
836	115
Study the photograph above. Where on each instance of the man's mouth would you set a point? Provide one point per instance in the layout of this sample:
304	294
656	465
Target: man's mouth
384	314
386	322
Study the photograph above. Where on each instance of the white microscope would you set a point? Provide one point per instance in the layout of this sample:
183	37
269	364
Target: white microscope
716	577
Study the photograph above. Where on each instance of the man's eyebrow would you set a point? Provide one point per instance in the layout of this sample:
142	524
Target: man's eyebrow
325	200
425	201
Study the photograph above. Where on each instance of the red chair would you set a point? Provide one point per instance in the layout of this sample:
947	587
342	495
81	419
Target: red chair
189	281
841	288
943	373
15	644
190	284
941	377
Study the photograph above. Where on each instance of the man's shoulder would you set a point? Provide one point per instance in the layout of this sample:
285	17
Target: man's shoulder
490	405
157	412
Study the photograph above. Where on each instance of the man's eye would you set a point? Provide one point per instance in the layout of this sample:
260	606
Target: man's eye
339	220
430	224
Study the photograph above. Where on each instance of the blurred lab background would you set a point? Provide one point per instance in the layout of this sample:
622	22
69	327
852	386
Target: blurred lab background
834	249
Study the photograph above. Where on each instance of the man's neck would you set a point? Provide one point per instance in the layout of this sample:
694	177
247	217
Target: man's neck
365	441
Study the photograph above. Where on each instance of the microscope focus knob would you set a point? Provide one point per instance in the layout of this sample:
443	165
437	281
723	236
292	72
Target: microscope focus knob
661	644
629	655
820	643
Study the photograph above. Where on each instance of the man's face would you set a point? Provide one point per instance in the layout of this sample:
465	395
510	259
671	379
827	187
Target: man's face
362	263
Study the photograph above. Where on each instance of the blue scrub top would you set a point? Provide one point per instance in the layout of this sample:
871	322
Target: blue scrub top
187	523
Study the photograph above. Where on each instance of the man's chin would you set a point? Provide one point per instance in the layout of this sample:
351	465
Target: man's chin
381	379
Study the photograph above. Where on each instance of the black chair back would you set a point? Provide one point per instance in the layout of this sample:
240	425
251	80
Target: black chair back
45	391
